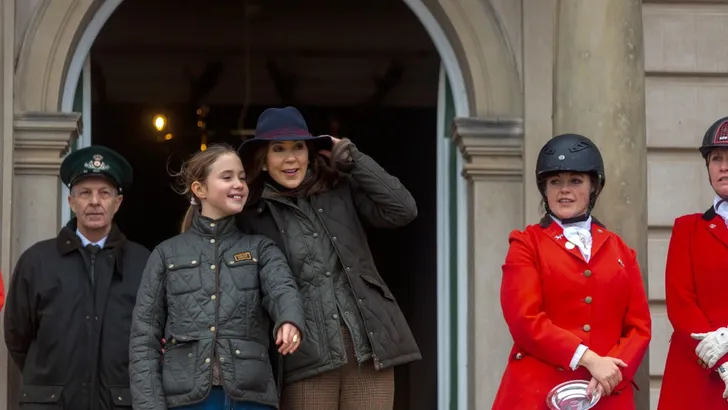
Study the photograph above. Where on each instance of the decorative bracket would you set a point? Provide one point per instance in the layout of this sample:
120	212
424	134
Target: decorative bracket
41	140
492	147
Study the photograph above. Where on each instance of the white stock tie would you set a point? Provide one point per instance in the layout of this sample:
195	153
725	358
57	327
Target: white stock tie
581	238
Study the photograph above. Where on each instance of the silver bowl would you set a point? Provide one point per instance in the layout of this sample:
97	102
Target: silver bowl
572	395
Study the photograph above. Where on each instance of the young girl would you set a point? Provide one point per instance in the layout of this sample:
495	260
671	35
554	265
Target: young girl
211	293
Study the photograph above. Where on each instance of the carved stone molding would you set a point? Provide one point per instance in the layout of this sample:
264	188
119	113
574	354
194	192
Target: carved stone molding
492	147
41	139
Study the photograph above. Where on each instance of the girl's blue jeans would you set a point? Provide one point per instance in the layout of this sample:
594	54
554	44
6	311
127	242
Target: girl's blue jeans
218	400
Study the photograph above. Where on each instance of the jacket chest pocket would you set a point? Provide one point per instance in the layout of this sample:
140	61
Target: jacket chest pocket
183	275
244	274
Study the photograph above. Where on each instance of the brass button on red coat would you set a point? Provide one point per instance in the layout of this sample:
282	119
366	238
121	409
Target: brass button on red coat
586	328
587	273
588	300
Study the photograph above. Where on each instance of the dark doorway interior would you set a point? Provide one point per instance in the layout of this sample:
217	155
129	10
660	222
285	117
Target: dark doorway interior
341	91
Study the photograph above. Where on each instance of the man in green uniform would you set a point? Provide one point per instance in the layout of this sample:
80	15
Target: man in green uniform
70	299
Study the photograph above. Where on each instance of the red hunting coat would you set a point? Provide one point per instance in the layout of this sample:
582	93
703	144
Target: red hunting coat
553	300
696	280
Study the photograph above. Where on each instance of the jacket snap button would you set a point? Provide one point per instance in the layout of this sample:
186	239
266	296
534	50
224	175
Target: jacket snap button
587	328
519	356
333	238
315	235
335	316
171	265
237	352
120	399
207	360
212	241
328	274
320	210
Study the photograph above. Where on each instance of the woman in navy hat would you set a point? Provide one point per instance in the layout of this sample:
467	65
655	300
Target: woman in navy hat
313	196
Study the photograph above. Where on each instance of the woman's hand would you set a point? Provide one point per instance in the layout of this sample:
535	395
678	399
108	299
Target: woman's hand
326	152
605	371
288	338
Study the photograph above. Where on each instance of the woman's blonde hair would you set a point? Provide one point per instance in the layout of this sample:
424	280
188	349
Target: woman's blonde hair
197	169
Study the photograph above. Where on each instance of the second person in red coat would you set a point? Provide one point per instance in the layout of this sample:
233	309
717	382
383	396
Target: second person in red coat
696	277
572	293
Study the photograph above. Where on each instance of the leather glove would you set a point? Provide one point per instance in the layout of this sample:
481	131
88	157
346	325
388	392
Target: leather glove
341	155
713	345
723	373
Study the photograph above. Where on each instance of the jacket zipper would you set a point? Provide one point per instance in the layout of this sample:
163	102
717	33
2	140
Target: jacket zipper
216	272
94	384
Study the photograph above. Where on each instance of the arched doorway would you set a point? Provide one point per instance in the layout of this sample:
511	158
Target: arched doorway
74	24
223	64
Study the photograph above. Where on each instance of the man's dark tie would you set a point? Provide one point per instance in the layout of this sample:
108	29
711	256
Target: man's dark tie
93	249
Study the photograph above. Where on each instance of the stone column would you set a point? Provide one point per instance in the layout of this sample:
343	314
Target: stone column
40	141
599	92
493	151
7	47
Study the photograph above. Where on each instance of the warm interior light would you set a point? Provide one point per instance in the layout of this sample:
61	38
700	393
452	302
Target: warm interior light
168	137
160	121
203	147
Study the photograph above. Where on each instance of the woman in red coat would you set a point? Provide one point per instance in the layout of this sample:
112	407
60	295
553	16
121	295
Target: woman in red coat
696	276
572	292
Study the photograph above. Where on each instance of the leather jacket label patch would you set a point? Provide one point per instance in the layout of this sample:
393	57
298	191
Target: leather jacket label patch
242	256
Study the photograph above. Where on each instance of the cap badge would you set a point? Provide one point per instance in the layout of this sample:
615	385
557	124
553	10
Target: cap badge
96	164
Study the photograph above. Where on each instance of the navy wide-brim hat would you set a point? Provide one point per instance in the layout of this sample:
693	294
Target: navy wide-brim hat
284	124
98	161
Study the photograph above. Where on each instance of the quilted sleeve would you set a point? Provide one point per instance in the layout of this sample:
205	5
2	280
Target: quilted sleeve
380	198
280	293
145	346
20	318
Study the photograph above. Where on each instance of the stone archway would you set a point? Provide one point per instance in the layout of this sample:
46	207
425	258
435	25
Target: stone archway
487	91
468	36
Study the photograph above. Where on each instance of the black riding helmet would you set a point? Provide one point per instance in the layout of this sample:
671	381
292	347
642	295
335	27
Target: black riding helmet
715	137
570	153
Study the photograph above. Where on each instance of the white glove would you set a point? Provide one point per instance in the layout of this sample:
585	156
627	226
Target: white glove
713	345
723	372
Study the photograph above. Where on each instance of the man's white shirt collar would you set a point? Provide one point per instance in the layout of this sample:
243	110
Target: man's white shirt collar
85	242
